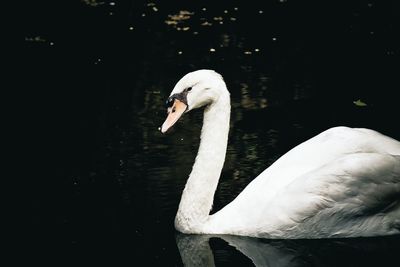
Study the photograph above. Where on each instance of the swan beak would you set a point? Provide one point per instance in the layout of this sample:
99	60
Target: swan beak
174	113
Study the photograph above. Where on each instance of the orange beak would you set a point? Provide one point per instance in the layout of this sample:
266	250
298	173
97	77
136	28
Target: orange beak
174	113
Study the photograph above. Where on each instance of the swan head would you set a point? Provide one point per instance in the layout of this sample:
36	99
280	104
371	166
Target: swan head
194	90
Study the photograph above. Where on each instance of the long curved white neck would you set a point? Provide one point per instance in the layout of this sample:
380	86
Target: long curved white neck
198	195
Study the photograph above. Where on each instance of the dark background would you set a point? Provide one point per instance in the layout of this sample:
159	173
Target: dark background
93	92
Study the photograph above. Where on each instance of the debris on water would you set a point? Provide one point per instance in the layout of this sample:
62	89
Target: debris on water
206	23
171	22
180	52
186	13
179	19
93	3
273	38
35	39
112	4
212	50
247	52
131	28
257	50
159	128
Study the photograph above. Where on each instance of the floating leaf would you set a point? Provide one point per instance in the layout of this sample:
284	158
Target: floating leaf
360	103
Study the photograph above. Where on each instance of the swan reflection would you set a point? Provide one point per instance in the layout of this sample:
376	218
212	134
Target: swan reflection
195	250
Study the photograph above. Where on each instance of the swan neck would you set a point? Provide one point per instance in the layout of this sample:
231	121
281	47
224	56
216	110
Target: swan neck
197	197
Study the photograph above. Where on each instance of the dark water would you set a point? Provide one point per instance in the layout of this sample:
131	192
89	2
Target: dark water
97	74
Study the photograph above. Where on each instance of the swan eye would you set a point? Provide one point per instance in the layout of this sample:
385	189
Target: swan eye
189	89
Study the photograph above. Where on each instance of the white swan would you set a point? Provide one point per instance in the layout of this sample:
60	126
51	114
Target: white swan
343	182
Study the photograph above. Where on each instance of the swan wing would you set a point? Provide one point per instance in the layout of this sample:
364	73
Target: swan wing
339	176
355	195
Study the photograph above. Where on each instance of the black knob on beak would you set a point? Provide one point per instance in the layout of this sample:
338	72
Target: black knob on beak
169	102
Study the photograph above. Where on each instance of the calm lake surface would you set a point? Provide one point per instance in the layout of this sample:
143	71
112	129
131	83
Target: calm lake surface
98	74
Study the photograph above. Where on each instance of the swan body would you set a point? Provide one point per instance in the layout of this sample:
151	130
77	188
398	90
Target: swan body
344	182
